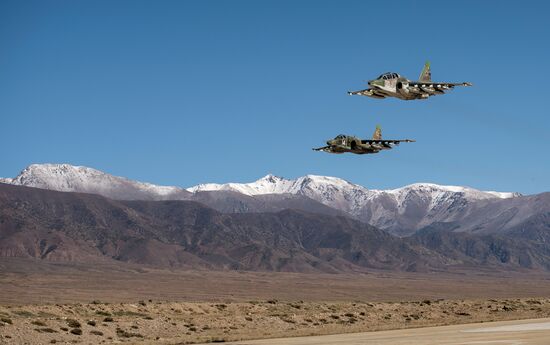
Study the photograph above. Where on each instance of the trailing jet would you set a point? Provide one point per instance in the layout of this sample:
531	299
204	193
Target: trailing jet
393	85
347	143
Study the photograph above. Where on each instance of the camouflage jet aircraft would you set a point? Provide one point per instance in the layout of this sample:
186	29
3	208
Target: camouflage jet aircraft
393	85
347	143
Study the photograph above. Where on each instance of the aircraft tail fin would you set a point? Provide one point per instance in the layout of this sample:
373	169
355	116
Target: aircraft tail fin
426	74
377	133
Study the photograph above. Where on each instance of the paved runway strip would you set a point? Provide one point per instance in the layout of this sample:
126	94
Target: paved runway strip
523	332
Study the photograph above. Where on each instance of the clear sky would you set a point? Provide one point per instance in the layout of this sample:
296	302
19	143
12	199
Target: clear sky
185	92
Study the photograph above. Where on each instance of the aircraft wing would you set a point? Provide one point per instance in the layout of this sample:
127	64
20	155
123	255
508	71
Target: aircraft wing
428	86
324	148
385	141
366	92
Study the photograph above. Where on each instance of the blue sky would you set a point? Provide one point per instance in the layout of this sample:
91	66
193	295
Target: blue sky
183	92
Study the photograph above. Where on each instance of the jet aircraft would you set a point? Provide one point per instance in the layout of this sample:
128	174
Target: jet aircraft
393	85
347	143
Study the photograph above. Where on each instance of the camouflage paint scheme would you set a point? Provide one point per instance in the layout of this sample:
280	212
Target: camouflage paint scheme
347	143
393	85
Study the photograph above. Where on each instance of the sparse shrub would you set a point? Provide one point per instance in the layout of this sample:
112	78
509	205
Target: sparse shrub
23	313
532	301
73	323
102	313
362	313
272	301
217	340
6	320
46	314
349	314
427	302
248	318
38	323
335	317
127	313
94	332
91	323
95	301
125	334
108	319
53	341
147	317
48	330
76	331
387	316
65	329
136	327
193	329
142	303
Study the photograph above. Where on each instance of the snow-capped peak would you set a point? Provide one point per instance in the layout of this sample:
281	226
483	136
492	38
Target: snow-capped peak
352	198
70	178
400	210
468	192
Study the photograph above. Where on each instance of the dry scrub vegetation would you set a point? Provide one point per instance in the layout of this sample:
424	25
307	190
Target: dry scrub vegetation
147	322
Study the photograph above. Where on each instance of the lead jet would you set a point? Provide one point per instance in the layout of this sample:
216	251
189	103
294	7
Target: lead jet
347	143
393	85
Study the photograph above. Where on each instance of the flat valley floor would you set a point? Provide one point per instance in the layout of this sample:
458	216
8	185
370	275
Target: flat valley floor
42	303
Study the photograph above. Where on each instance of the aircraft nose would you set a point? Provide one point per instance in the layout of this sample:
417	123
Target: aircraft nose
329	142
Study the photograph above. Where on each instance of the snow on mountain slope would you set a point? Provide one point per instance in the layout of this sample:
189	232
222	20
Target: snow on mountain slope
330	191
69	178
400	211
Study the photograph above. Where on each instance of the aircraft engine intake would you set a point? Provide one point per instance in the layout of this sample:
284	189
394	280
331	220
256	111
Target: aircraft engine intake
402	87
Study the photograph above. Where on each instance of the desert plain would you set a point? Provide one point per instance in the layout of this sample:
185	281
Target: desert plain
59	303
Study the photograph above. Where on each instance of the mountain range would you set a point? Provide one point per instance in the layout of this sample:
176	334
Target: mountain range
311	224
401	211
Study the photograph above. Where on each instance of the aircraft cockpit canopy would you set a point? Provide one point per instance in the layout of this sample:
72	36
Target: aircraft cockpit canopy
341	136
389	75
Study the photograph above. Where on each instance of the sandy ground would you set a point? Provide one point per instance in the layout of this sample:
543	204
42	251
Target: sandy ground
45	303
151	322
37	282
525	332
